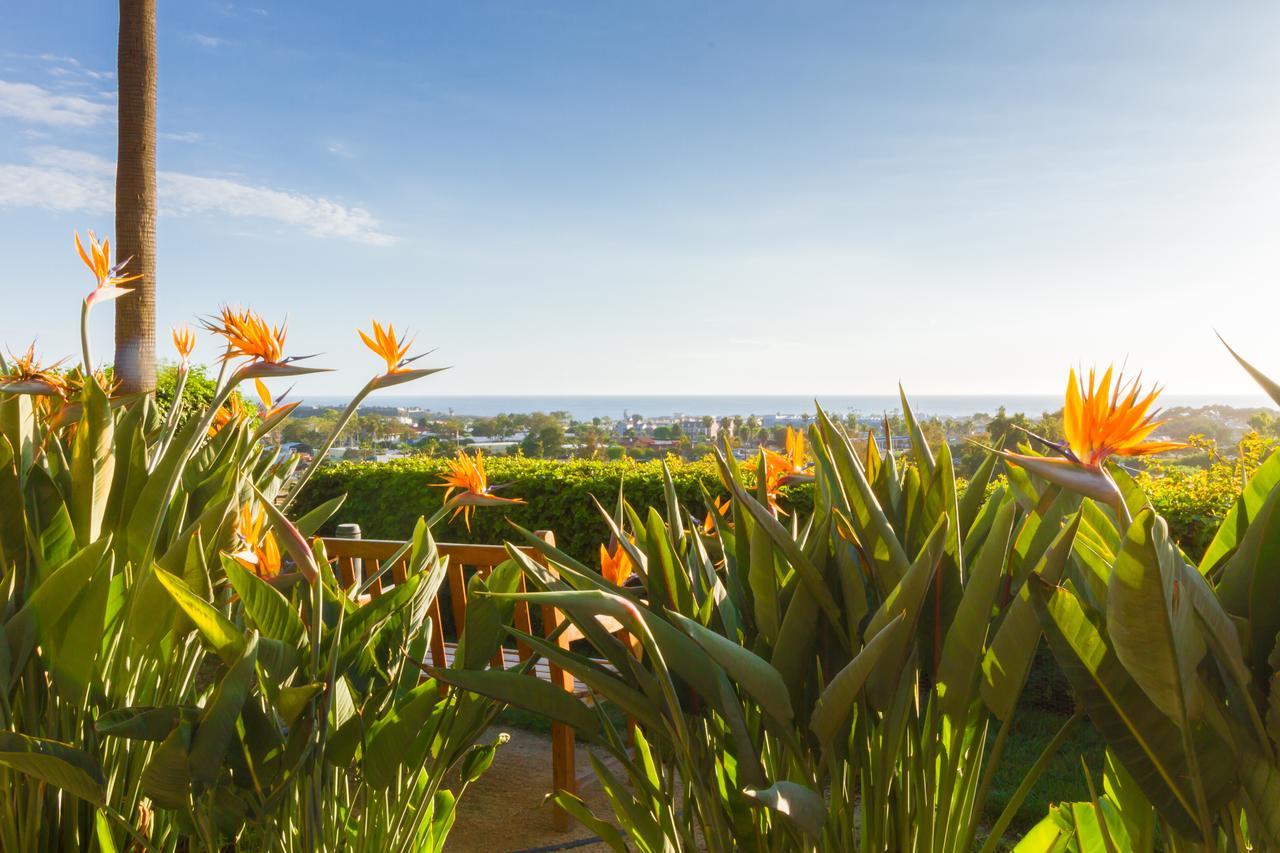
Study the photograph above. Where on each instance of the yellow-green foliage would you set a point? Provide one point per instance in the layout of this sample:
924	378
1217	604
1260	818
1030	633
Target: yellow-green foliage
387	499
1194	499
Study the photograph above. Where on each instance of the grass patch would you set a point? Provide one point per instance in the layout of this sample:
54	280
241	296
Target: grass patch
1062	781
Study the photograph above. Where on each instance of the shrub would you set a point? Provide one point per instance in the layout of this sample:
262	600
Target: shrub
1193	500
386	499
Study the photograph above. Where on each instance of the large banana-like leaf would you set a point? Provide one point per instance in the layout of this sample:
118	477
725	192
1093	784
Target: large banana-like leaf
145	723
49	521
1008	658
48	603
390	736
56	764
837	701
167	777
13	527
1252	562
960	662
218	631
486	614
1261	781
92	463
906	598
761	681
869	519
634	703
1146	742
1153	630
217	726
523	691
268	610
795	557
799	804
152	502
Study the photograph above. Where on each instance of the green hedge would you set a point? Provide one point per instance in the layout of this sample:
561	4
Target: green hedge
386	499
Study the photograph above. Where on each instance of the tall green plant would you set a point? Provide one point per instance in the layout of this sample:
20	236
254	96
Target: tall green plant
167	680
838	681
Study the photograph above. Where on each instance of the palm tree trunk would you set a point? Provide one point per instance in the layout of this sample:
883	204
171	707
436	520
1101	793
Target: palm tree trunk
135	361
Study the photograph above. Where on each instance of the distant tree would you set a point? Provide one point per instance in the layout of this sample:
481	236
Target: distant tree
545	442
662	433
1265	423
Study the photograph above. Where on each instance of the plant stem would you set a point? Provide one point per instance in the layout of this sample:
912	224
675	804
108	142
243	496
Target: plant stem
171	421
176	474
84	339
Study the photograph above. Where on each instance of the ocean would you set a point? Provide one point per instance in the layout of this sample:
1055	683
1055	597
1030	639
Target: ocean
586	407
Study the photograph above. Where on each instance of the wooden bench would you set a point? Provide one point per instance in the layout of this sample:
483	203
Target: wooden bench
358	559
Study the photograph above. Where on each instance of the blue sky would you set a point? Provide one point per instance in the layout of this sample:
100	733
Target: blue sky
741	197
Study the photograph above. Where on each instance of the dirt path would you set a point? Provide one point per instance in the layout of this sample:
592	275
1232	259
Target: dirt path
503	811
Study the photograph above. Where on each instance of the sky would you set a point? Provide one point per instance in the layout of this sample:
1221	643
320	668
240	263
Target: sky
669	197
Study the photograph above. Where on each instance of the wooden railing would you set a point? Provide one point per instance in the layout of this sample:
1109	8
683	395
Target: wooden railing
359	559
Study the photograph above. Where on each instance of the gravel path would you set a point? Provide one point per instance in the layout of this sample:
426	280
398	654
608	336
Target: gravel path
504	812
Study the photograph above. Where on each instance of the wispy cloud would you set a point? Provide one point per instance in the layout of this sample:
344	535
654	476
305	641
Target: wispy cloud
181	136
338	149
72	160
69	179
55	189
31	103
209	41
322	217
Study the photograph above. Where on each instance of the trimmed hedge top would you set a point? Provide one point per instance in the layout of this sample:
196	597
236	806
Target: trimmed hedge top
387	498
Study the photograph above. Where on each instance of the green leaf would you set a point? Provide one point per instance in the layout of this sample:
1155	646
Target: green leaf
760	680
802	806
54	537
145	722
631	701
837	701
46	606
56	764
152	503
167	777
960	663
389	737
1261	781
1008	658
576	808
13	527
1152	630
218	722
314	519
479	759
906	598
486	614
1143	740
221	635
92	463
268	610
291	701
523	691
804	567
1272	389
